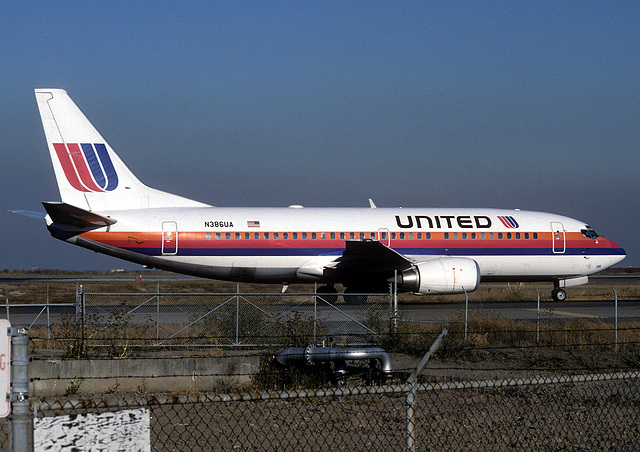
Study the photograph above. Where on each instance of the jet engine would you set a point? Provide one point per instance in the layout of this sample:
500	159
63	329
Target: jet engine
446	275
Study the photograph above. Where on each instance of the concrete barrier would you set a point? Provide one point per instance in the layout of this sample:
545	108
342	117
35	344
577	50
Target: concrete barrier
139	375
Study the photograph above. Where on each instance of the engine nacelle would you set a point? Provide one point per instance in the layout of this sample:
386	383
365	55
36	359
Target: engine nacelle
446	275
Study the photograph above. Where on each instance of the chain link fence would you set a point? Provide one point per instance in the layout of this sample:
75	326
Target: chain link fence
89	318
240	320
592	412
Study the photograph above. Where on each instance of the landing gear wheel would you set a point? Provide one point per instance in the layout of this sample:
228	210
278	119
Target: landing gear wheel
354	297
558	295
328	294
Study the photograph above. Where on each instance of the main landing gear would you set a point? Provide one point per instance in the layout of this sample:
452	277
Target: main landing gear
354	296
351	295
558	294
328	293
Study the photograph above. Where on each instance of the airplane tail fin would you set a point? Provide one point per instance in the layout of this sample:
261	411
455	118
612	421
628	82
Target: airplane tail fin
89	173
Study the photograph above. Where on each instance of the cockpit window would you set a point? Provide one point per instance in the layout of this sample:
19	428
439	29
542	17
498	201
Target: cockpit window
589	233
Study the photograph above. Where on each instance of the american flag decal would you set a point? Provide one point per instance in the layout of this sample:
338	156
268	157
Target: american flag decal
253	224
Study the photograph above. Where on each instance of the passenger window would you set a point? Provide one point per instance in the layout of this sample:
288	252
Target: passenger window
446	236
393	236
323	235
362	236
314	236
333	236
342	235
526	236
410	235
419	235
256	235
455	236
535	235
509	235
227	236
500	235
473	235
276	235
238	236
208	235
517	235
247	236
464	236
266	236
372	235
352	235
483	236
304	235
294	236
383	236
491	236
427	235
402	236
217	236
285	236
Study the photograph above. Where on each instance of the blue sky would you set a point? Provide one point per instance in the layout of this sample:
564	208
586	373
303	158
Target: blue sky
531	105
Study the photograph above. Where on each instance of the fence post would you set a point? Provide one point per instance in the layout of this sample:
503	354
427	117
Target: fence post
6	291
537	318
394	315
466	313
616	316
83	338
157	312
77	342
20	413
411	394
48	316
315	310
237	312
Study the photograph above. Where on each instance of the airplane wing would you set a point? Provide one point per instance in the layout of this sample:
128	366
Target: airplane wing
371	252
63	213
368	258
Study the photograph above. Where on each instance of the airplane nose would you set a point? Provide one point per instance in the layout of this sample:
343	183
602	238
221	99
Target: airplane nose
618	253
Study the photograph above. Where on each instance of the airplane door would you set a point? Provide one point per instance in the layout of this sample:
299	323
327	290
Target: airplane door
169	238
559	242
384	237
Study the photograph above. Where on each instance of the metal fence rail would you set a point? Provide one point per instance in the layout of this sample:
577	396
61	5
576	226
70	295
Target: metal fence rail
596	412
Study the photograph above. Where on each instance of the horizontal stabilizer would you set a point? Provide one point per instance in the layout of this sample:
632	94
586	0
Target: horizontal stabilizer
29	213
63	213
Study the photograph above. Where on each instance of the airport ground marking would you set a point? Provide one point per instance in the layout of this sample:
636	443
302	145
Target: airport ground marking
571	314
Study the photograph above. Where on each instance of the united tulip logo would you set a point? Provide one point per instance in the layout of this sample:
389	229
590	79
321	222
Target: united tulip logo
87	166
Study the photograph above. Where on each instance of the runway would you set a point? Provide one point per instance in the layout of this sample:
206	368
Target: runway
593	309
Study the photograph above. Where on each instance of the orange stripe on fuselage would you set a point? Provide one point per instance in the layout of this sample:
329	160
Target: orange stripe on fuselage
199	240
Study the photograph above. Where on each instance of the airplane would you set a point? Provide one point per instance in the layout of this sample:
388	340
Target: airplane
105	208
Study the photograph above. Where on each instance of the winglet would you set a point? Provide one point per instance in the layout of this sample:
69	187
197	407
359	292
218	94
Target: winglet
372	204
